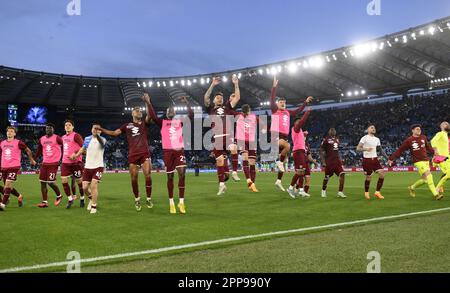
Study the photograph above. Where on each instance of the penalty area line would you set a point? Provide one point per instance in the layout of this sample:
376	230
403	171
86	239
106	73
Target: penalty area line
219	241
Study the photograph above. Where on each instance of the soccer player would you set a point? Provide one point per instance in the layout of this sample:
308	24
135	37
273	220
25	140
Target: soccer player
299	152
50	149
281	120
218	112
173	149
246	129
10	151
138	153
440	144
329	155
94	146
370	145
304	181
72	143
418	146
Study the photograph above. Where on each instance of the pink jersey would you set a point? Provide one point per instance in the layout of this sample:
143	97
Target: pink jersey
281	121
172	134
246	128
11	153
51	149
71	145
298	138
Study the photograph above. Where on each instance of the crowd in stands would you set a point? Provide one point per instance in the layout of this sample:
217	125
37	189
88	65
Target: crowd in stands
392	120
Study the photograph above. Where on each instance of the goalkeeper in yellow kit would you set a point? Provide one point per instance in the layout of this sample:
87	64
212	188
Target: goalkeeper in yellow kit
440	144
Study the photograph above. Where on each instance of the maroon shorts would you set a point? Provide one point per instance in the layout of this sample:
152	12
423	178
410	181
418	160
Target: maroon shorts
371	165
90	174
300	162
139	159
74	169
247	147
334	168
9	174
47	173
221	145
174	159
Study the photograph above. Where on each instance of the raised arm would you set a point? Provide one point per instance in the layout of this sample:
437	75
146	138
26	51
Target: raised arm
302	107
273	95
207	97
300	122
151	114
237	92
184	100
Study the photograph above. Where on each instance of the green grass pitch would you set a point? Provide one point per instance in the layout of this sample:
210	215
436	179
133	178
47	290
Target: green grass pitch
33	236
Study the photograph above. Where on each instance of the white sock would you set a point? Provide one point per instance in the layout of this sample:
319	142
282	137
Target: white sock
181	200
171	201
302	190
82	197
70	198
222	184
137	199
278	181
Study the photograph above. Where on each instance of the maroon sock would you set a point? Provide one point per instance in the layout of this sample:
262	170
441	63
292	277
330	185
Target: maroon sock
148	187
221	173
246	169
366	185
253	173
306	188
66	189
300	182
181	186
341	184
280	175
56	189
6	193
80	188
170	187
45	195
15	192
324	184
226	168
380	183
282	158
74	188
234	161
135	186
294	179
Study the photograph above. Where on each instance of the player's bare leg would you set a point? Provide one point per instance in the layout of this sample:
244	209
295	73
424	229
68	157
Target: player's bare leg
15	193
181	188
367	186
284	148
134	171
78	182
172	209
307	184
87	190
147	170
341	186
379	184
220	162
234	162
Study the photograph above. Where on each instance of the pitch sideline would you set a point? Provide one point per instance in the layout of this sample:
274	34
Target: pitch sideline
219	241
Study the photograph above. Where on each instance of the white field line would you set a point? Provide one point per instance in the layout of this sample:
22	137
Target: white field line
219	241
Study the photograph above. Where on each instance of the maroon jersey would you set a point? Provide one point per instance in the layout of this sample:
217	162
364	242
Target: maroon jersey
330	145
136	137
219	114
418	146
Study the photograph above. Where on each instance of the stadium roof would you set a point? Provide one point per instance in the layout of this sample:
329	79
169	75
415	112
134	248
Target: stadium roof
418	57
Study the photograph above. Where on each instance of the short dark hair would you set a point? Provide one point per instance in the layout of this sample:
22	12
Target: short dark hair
96	123
281	99
246	108
415	126
69	121
218	94
50	124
